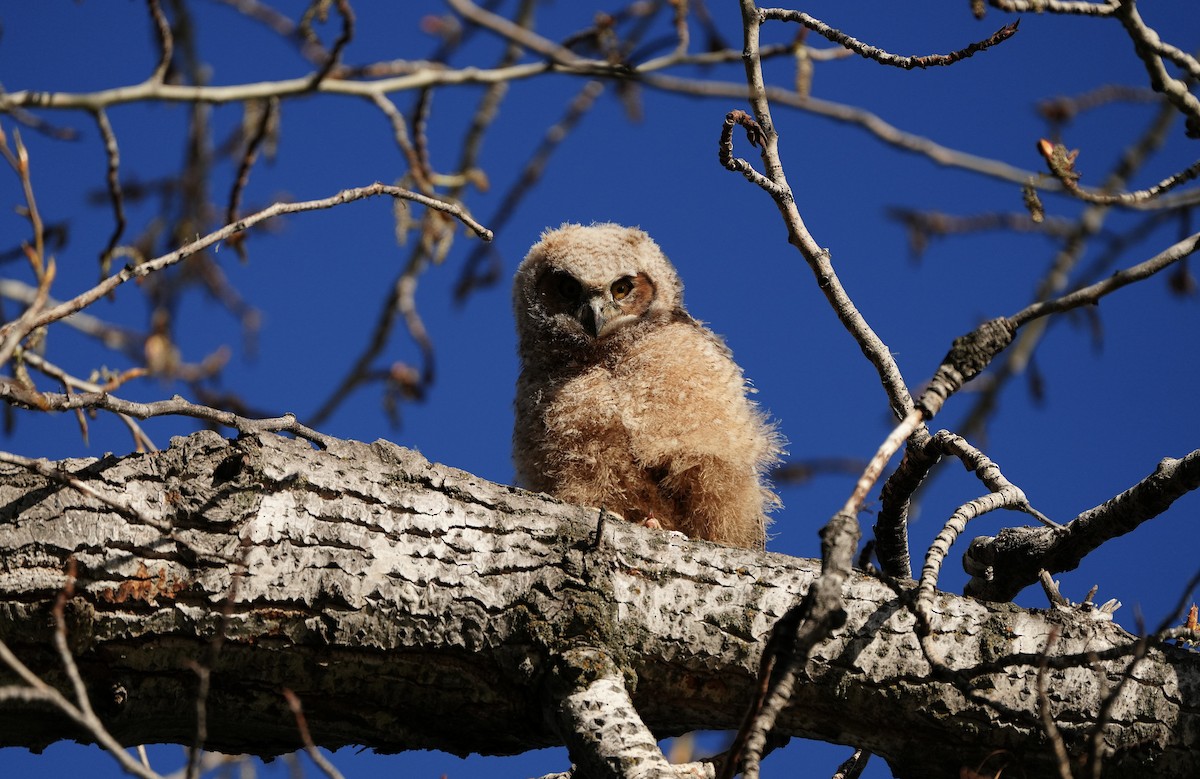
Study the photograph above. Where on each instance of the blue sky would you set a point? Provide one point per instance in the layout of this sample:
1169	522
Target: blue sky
1110	407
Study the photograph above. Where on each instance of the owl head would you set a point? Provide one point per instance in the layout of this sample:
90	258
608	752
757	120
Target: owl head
581	288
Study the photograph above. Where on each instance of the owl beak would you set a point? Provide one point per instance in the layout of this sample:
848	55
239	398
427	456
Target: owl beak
597	316
593	317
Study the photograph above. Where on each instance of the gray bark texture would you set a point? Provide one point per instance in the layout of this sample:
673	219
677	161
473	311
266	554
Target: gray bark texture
411	606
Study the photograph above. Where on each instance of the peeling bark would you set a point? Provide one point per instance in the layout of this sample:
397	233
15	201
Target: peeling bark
411	605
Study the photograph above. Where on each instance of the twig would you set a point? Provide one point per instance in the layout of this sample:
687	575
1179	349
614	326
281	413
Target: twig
1061	110
879	55
400	134
926	225
360	371
310	49
1088	225
1081	8
71	383
310	748
80	712
417	75
803	471
18	159
176	406
166	42
1062	759
268	113
851	115
49	471
754	134
471	278
423	170
1092	294
113	178
16	330
43	268
520	35
339	45
1061	164
817	258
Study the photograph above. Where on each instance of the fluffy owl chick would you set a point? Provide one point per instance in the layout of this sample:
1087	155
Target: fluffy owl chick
627	402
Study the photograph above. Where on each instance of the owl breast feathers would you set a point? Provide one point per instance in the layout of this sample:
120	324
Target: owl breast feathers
625	401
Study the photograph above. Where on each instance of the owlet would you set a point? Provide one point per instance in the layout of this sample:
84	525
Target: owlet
625	401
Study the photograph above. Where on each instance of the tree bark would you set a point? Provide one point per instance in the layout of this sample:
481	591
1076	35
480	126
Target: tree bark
410	605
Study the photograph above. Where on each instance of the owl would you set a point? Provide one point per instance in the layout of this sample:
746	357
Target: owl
626	402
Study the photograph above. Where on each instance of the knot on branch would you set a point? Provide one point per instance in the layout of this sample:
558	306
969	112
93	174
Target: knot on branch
968	356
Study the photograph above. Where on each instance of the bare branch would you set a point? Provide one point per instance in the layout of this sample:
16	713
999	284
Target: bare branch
817	258
113	178
1010	561
339	45
282	26
472	277
166	42
884	57
81	712
1091	294
14	331
519	35
175	406
1061	164
268	111
1147	45
1105	8
310	748
1003	494
754	134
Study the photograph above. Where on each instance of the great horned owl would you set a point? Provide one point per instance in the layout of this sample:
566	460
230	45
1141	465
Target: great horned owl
624	400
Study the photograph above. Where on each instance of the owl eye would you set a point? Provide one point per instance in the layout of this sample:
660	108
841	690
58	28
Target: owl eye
621	288
566	286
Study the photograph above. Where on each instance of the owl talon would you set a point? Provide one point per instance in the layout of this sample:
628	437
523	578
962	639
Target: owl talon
651	522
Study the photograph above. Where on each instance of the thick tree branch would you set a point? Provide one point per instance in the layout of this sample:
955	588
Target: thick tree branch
597	720
410	605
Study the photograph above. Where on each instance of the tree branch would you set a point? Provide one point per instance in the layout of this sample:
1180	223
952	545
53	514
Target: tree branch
884	57
14	331
1007	563
413	606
